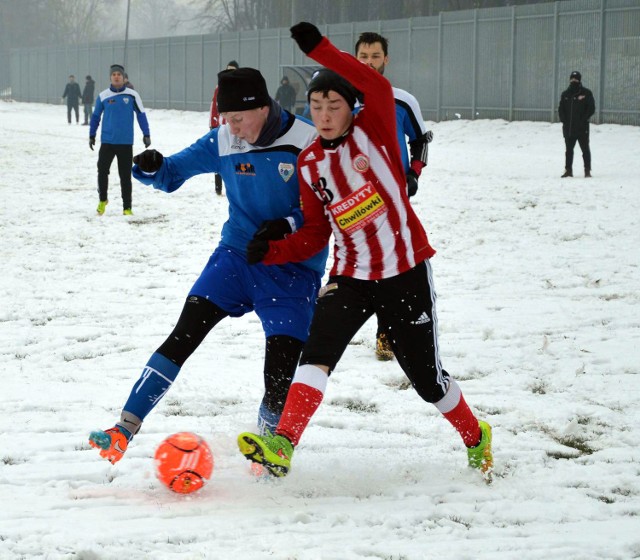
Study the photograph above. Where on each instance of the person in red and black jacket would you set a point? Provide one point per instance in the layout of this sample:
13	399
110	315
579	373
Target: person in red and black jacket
215	120
576	108
353	186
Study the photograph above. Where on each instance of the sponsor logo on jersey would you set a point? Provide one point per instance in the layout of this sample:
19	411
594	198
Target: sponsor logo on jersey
361	163
358	209
245	169
286	170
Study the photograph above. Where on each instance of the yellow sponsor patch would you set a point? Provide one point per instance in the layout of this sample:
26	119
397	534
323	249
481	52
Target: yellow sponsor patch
359	209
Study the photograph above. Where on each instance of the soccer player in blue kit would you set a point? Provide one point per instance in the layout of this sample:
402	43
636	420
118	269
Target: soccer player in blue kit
256	153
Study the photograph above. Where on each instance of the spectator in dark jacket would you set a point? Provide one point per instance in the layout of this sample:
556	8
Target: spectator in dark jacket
286	95
88	95
73	95
576	108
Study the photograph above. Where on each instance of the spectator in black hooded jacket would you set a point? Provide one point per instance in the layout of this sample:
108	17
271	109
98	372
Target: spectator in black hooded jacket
73	95
88	97
286	95
576	108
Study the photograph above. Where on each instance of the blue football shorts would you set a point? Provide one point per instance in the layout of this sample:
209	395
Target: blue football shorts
283	296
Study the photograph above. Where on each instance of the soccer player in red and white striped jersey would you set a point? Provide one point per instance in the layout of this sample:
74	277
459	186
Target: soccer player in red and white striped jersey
353	185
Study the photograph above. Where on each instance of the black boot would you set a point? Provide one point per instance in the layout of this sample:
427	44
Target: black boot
587	173
567	173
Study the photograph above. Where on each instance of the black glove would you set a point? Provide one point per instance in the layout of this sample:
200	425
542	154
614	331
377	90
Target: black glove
257	249
92	142
149	161
146	141
412	183
273	230
306	35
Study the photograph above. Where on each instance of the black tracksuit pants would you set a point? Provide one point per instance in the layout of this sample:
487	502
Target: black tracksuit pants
124	153
75	109
570	144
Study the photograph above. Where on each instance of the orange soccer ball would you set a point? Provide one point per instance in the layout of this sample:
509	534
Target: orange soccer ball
184	462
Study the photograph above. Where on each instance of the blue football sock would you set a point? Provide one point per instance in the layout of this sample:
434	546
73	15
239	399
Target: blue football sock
267	420
157	376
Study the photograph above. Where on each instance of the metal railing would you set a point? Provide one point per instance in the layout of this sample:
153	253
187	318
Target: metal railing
510	63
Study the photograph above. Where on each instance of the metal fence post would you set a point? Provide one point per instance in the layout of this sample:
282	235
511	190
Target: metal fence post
513	62
439	87
556	57
603	47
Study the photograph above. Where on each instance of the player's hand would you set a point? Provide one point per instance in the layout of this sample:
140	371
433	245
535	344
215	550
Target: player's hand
412	183
307	36
146	141
273	230
92	142
149	161
257	250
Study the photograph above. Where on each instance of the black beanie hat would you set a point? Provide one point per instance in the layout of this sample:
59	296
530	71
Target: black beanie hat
241	90
325	80
233	63
576	75
116	68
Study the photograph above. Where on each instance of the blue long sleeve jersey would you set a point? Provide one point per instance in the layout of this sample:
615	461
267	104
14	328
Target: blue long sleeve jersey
118	106
409	125
261	183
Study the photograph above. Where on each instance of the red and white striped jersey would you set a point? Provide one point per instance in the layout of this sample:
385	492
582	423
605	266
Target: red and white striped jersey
357	191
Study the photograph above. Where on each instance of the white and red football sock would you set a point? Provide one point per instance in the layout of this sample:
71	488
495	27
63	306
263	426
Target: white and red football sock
305	395
455	409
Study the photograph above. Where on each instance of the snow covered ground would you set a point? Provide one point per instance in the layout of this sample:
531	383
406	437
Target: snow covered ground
539	313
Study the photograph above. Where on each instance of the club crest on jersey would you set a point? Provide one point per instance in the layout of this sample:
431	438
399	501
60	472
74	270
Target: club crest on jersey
361	163
286	170
245	169
126	100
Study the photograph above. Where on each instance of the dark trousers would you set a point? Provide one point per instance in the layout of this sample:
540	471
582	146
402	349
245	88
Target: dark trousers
76	110
87	112
124	153
570	144
405	307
